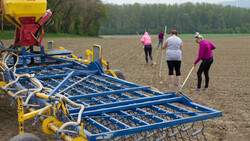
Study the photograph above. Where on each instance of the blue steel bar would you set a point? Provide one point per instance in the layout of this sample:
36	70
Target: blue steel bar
74	84
24	57
110	92
131	106
62	83
120	103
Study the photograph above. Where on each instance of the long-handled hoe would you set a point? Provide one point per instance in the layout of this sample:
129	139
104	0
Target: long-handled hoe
165	34
179	92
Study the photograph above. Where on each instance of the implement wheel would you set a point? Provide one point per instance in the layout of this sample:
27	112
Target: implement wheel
119	74
25	137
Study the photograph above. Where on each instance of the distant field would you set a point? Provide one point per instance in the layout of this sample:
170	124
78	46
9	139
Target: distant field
5	35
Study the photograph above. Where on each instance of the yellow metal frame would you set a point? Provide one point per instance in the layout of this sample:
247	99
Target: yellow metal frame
154	88
89	56
93	50
2	84
111	72
53	44
20	115
75	58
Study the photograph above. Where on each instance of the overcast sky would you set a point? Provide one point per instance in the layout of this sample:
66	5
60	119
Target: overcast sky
161	1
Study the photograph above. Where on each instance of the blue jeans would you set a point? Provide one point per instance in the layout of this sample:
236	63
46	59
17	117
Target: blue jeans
160	42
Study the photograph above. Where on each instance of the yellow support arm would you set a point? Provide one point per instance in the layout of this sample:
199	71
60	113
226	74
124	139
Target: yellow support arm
75	57
20	115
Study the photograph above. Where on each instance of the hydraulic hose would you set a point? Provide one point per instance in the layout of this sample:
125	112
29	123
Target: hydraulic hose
79	115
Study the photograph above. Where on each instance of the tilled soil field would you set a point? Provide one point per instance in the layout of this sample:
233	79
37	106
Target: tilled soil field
229	89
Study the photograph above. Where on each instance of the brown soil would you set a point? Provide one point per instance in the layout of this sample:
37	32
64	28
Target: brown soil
229	89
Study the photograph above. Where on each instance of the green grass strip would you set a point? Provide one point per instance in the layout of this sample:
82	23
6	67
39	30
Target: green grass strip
8	35
212	35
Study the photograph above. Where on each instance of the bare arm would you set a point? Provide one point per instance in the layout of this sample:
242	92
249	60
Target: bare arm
181	48
165	45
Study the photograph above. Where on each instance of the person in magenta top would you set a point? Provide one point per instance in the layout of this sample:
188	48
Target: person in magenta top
206	55
160	37
146	41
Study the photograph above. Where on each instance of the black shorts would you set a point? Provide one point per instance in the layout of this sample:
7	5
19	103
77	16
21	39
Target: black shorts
174	65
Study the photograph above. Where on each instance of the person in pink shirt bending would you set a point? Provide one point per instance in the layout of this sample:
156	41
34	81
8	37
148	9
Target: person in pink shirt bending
146	41
206	55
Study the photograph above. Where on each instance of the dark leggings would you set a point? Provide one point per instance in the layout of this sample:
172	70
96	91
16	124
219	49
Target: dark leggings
204	67
148	50
174	65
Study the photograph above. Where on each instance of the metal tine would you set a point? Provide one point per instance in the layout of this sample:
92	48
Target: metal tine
197	132
174	133
180	133
203	127
185	129
194	132
142	137
159	133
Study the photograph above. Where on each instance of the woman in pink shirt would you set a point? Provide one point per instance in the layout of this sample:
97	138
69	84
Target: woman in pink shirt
205	54
146	41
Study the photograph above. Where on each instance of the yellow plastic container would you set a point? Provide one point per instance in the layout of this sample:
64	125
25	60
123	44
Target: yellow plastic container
13	9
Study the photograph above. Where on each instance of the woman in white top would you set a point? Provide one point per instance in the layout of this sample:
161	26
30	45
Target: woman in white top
174	47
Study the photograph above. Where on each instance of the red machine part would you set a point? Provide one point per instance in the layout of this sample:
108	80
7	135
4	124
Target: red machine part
28	34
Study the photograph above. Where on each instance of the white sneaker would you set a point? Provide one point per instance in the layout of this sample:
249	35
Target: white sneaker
204	89
171	84
179	85
196	89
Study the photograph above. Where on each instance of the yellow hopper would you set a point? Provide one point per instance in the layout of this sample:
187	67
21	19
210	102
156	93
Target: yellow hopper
14	9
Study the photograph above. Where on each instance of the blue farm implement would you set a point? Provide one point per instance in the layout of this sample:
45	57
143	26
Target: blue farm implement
79	101
76	99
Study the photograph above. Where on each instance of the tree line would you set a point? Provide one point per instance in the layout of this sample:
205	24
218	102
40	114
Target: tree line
92	17
186	18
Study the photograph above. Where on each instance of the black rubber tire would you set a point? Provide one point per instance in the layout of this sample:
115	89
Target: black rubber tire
25	137
119	74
